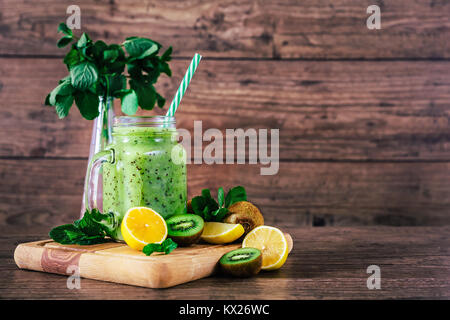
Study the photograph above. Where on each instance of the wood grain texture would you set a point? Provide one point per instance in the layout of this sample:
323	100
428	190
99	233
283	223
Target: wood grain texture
249	28
48	192
361	142
326	263
325	110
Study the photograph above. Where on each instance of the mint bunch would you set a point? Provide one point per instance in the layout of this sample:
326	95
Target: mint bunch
212	210
96	227
93	228
97	69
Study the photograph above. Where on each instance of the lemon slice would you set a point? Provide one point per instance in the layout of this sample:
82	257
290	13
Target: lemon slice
272	243
141	226
219	233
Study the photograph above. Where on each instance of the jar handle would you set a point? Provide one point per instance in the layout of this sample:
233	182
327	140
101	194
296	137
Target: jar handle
93	168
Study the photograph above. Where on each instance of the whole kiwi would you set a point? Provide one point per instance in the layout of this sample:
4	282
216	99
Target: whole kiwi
189	208
246	214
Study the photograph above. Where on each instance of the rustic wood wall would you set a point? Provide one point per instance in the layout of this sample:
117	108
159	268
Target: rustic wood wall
363	114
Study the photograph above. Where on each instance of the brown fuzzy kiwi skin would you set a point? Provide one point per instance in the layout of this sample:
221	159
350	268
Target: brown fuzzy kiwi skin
189	207
187	241
243	270
246	214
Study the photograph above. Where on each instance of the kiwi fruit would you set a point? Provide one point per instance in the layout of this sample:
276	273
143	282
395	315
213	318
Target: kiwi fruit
242	262
185	229
189	208
246	214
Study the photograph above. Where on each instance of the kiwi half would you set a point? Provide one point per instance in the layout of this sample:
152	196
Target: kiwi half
185	229
243	262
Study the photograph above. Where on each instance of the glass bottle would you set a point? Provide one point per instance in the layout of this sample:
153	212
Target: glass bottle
100	138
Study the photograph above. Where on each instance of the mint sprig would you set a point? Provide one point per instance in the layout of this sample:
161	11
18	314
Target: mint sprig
98	69
95	227
211	210
167	246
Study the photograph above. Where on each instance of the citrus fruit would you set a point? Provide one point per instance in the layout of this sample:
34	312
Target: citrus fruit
272	243
141	226
219	233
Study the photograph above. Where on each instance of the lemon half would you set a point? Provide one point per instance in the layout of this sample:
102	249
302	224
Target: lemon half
141	226
272	243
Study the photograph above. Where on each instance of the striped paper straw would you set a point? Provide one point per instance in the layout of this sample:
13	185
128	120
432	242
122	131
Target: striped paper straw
183	85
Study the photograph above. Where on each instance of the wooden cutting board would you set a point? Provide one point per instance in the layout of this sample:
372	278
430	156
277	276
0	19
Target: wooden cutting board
116	262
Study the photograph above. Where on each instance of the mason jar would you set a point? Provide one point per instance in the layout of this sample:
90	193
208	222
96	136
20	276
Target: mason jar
144	166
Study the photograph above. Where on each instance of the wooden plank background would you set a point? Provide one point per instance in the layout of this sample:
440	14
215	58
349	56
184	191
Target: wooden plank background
363	114
241	28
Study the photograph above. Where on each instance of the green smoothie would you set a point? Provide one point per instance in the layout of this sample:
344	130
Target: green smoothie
144	172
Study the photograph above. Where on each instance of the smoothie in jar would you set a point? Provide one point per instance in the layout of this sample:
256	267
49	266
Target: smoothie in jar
143	172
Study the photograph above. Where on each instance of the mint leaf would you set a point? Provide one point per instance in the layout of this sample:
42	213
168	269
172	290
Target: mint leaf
167	246
160	100
83	75
110	55
146	94
84	41
211	204
64	41
134	70
87	102
116	67
65	29
198	205
98	50
72	58
47	100
220	197
206	193
234	195
63	105
117	83
153	49
167	55
129	102
65	79
164	68
65	234
63	89
219	214
118	49
114	60
137	47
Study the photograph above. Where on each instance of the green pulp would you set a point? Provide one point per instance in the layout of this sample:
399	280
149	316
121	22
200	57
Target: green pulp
144	172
